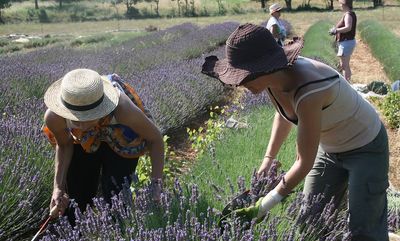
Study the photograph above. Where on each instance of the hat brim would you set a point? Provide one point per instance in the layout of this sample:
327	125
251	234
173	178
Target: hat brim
52	99
275	10
239	74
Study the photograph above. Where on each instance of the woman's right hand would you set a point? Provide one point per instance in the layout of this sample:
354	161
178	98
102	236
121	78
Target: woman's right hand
59	202
266	165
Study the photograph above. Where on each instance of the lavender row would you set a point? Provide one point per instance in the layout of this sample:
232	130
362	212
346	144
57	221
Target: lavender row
159	65
184	215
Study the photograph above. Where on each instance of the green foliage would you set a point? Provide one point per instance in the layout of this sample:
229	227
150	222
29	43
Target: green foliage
384	44
390	107
10	48
7	46
4	42
90	39
202	138
318	44
237	153
4	4
143	168
40	42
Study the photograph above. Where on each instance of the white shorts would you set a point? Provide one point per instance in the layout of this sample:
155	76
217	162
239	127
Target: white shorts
346	48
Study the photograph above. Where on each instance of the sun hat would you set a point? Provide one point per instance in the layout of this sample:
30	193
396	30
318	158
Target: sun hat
251	51
82	95
274	8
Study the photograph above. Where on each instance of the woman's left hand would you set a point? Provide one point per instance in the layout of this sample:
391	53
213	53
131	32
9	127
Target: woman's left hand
156	188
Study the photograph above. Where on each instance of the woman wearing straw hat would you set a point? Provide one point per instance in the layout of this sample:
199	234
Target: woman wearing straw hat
275	25
341	142
345	32
98	133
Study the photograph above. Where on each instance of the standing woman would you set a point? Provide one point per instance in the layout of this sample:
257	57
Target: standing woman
345	32
98	134
341	142
275	25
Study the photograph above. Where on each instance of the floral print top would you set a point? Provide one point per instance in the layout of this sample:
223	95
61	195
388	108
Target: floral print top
122	139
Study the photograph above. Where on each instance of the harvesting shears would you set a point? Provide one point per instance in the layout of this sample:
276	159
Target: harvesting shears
53	213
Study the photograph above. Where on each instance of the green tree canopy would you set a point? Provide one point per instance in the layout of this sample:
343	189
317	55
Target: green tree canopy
4	4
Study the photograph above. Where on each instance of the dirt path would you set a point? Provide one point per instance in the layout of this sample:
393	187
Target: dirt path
365	69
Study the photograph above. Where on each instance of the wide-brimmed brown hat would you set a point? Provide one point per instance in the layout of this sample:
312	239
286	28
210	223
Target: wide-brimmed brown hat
82	95
251	51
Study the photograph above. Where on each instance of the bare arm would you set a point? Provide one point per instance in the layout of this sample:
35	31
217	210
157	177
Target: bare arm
63	155
308	135
348	23
280	131
130	115
275	31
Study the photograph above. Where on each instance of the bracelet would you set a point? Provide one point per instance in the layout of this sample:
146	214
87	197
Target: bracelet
268	156
284	182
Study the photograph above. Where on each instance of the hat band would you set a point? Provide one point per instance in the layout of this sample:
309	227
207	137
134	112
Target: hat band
82	107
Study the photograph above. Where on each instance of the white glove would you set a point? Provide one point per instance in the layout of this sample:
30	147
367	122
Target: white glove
332	31
268	202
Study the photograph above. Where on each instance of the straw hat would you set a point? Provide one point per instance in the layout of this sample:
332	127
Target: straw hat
82	95
274	8
251	51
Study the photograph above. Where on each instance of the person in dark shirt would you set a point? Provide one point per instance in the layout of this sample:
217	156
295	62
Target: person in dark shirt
345	32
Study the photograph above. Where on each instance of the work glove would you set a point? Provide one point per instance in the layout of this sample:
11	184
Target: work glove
260	208
332	31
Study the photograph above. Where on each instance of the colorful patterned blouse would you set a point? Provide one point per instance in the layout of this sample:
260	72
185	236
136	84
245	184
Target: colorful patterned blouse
122	139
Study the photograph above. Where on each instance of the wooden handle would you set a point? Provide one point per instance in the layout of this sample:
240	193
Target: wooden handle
53	211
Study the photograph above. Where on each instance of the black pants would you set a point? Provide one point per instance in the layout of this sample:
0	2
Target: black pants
86	170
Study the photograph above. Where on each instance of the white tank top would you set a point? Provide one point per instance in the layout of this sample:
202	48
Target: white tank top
349	122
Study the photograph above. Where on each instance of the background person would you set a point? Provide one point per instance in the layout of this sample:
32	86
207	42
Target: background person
345	32
275	25
98	134
341	142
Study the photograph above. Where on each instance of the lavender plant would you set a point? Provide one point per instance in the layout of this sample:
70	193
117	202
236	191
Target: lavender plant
183	214
24	167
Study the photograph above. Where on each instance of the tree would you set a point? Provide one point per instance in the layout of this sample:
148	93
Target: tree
36	4
288	5
131	11
377	3
263	4
4	4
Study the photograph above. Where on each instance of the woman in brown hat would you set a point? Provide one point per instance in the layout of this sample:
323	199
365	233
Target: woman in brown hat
98	134
341	142
345	32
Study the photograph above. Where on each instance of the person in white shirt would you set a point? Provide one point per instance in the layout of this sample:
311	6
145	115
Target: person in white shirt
275	25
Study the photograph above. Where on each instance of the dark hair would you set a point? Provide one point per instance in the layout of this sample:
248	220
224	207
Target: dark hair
349	3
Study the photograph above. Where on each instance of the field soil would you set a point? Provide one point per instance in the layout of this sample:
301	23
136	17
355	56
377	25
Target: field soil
365	69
